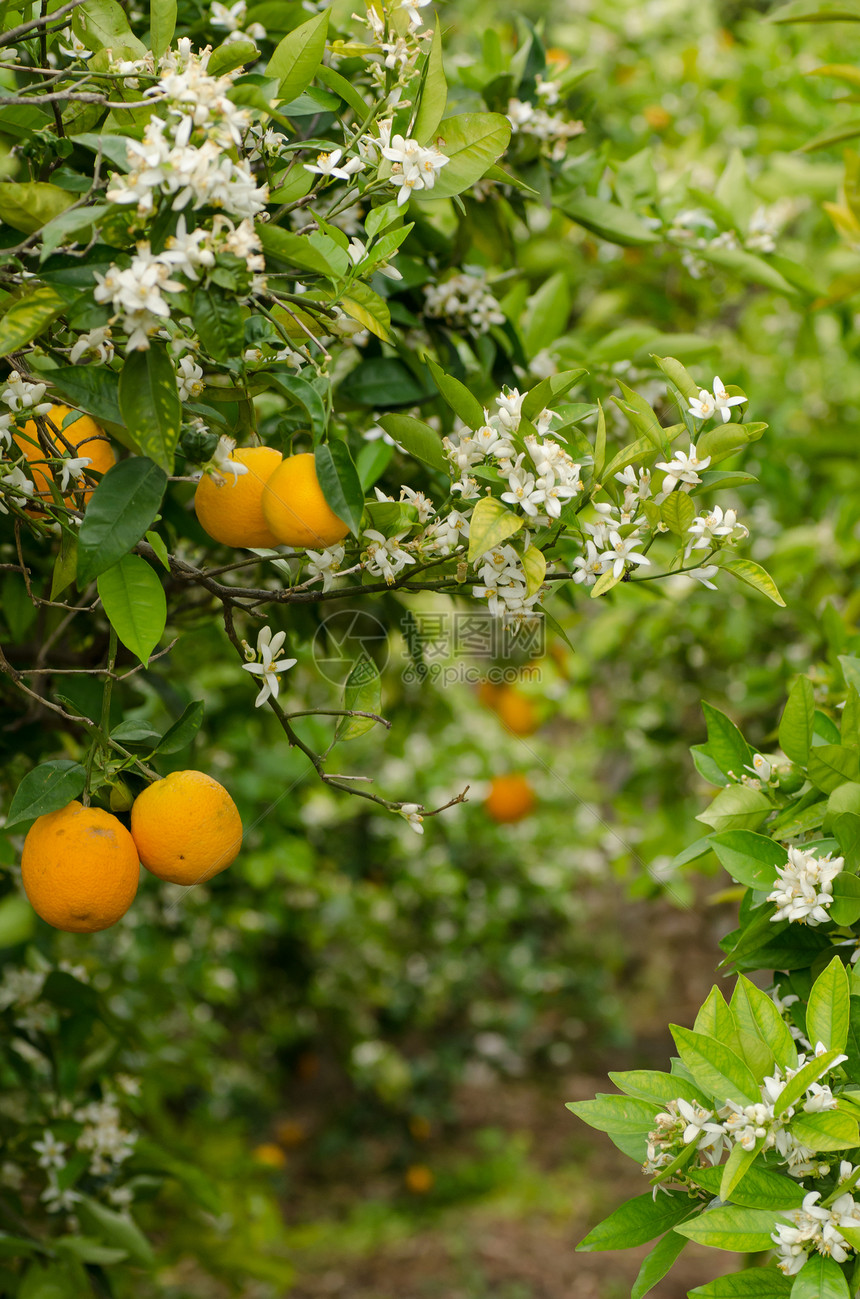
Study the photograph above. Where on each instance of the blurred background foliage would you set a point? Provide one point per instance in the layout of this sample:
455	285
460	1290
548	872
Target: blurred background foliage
345	977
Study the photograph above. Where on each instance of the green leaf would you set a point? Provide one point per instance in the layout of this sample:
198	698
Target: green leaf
66	565
46	788
549	390
458	396
681	377
472	142
183	730
315	252
96	391
417	438
162	24
75	221
678	512
829	1130
231	55
726	745
547	314
845	907
754	1283
737	808
657	1263
803	1080
746	570
600	443
361	303
650	1084
102	25
756	1014
746	1231
160	549
134	601
749	858
827	1009
617	1115
642	417
297	57
373	460
382	382
490	525
610	222
820	1278
344	88
637	1222
149	402
717	1070
434	94
362	693
761	1188
219	322
831	765
28	316
32	204
747	267
120	510
88	1251
115	1229
340	483
795	728
303	394
737	1166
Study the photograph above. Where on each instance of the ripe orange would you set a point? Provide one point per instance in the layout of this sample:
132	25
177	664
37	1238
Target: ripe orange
84	434
270	1155
419	1179
510	798
517	711
79	868
296	510
231	512
186	827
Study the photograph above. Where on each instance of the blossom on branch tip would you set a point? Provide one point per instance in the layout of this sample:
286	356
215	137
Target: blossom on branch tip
269	666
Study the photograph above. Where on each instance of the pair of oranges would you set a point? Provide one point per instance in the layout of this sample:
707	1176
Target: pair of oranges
80	866
277	502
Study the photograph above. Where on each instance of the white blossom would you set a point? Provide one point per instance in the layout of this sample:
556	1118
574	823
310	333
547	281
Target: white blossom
707	404
805	888
411	812
325	564
385	557
50	1151
269	665
683	468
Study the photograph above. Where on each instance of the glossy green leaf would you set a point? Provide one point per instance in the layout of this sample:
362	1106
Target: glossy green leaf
636	1222
471	142
149	402
820	1278
756	1014
749	858
417	438
299	54
116	1229
761	1188
119	512
831	765
534	566
797	1087
828	1130
608	220
183	730
135	604
102	25
678	512
738	807
657	1263
219	322
736	1166
46	788
458	396
746	1231
827	1008
162	24
362	693
340	483
717	1070
434	94
795	728
754	1283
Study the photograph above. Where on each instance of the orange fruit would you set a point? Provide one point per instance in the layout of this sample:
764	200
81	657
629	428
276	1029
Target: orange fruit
510	798
79	868
657	117
83	434
186	827
296	510
231	512
270	1155
488	694
517	711
419	1179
